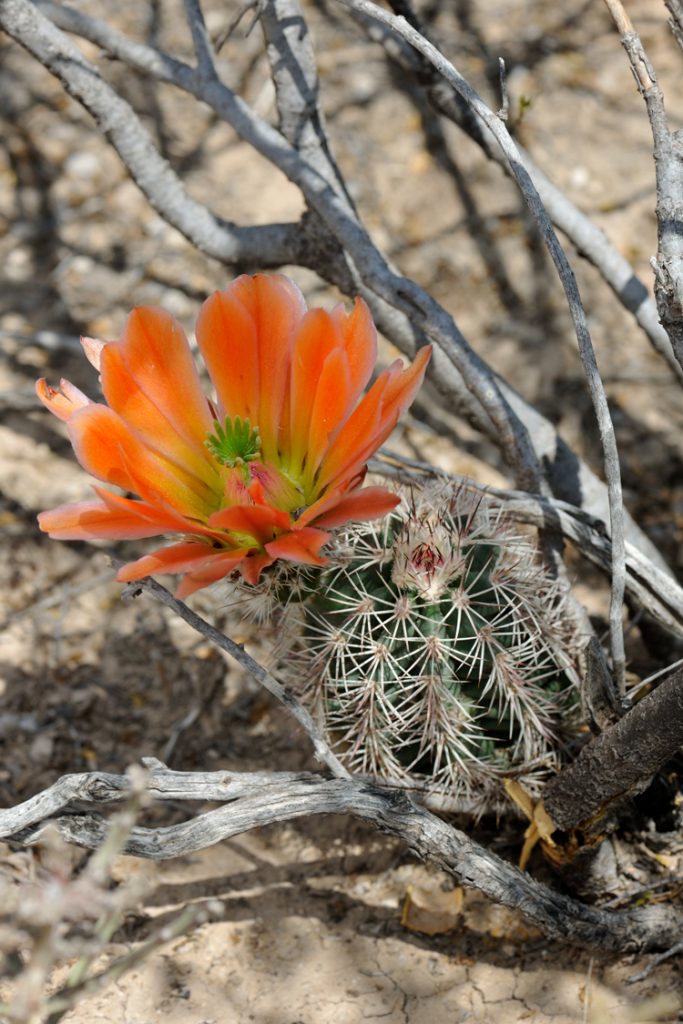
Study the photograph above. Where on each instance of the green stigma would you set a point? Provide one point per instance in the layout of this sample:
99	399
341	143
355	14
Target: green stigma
235	443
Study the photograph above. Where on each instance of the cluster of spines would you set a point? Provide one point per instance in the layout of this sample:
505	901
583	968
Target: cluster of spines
434	651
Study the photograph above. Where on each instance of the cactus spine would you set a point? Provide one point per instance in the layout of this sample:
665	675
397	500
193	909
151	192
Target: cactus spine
434	650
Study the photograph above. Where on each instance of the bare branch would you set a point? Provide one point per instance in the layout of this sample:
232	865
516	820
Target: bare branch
566	274
203	47
237	651
570	478
256	799
270	245
589	240
656	960
675	9
297	89
668	155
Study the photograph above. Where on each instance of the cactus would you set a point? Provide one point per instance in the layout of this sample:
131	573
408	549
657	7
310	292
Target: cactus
434	650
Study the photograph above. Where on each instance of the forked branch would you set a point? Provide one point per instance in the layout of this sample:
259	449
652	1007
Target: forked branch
590	241
252	800
578	314
468	383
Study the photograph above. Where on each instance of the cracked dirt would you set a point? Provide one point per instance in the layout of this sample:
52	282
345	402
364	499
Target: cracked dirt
309	931
289	949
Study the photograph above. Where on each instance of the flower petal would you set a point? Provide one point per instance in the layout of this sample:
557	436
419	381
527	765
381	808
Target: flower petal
221	565
127	396
276	306
300	546
252	566
367	503
107	448
183	557
167	520
360	343
357	464
226	335
360	428
402	389
373	419
245	335
63	401
330	408
318	335
258	521
157	356
93	520
334	356
92	349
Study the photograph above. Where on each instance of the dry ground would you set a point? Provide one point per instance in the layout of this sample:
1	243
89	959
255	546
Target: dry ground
310	930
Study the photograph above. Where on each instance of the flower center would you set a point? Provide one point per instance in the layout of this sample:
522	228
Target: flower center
235	443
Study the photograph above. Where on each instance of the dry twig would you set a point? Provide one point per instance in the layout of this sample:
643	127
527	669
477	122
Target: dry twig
254	799
668	157
340	254
589	240
237	651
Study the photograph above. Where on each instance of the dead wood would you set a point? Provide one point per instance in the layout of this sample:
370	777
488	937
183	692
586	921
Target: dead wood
620	762
254	799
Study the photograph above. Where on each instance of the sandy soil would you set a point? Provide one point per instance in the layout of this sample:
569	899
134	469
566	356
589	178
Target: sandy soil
309	929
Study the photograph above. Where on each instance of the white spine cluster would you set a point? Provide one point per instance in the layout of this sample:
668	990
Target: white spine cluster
434	650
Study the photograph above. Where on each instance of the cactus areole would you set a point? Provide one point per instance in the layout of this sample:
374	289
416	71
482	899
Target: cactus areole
438	653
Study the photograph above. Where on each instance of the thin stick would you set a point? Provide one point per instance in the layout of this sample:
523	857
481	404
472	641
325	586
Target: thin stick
668	266
473	388
237	651
267	245
256	799
586	351
655	962
504	111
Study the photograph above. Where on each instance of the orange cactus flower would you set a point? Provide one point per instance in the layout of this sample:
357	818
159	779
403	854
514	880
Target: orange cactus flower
259	473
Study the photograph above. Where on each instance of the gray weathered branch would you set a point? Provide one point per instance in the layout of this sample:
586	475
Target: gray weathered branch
237	651
675	9
569	477
297	90
589	240
254	799
268	245
668	157
203	47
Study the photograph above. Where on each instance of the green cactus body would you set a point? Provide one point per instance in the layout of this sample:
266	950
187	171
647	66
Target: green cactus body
438	652
435	651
